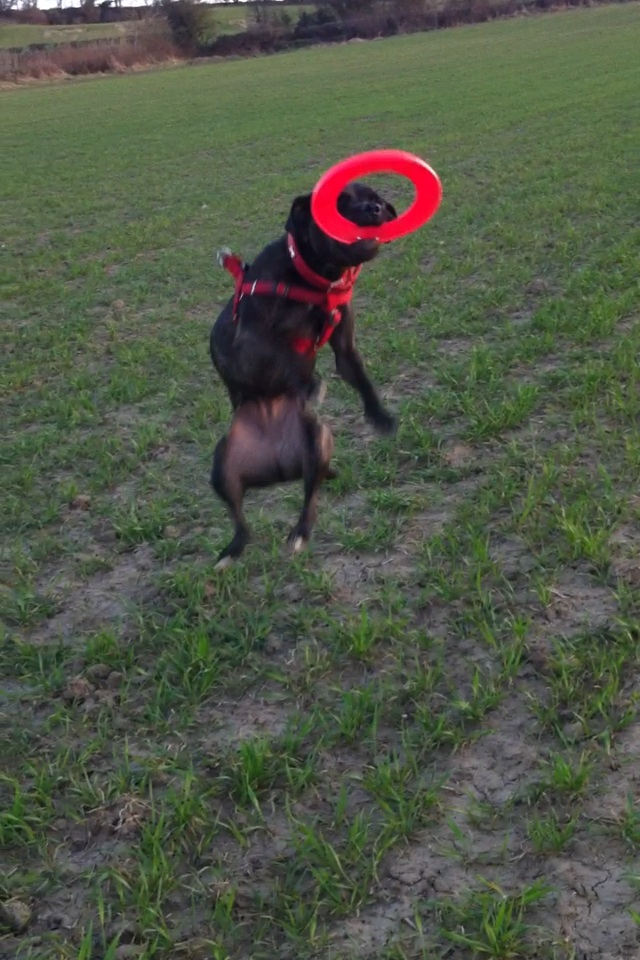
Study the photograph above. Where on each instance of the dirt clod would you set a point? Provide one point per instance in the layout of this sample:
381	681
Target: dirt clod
457	455
77	690
538	285
97	672
572	731
15	915
106	698
273	643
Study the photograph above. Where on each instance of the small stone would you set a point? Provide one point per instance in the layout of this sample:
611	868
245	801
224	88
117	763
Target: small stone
118	305
77	690
114	679
81	502
16	915
98	671
171	532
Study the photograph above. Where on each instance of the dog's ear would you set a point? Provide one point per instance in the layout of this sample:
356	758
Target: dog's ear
392	210
300	215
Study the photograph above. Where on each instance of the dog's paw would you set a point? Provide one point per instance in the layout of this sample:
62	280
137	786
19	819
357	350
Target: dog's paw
298	539
383	423
221	254
297	545
224	563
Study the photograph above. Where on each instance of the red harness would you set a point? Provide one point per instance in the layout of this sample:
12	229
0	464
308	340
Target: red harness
329	295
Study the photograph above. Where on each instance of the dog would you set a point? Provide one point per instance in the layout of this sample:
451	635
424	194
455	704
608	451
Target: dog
294	298
271	441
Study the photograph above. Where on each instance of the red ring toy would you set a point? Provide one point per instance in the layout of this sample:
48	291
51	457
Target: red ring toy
325	195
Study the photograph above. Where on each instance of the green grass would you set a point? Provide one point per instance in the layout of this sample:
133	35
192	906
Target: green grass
235	19
25	34
224	19
419	739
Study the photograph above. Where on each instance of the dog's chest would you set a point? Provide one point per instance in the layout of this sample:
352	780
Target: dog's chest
284	317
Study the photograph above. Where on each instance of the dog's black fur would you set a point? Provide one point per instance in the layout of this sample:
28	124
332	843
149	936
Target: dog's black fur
255	358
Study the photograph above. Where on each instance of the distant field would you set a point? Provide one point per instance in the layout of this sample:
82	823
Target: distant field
21	35
421	740
227	19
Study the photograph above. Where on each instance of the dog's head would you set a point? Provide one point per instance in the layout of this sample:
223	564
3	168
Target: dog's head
358	203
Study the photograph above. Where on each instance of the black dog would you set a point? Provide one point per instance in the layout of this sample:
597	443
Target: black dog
271	441
292	299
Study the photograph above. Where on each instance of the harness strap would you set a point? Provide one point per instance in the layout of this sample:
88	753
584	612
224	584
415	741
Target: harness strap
329	295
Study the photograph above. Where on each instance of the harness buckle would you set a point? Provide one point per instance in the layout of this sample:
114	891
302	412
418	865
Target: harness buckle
222	254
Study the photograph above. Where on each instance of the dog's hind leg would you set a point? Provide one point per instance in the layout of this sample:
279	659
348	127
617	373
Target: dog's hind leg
230	489
316	469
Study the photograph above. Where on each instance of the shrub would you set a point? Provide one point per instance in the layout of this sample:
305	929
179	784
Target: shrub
147	47
31	15
265	16
321	24
90	12
189	23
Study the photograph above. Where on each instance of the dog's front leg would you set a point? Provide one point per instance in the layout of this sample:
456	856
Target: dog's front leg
350	367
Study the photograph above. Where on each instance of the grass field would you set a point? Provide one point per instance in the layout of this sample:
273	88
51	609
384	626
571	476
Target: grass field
25	34
225	19
420	739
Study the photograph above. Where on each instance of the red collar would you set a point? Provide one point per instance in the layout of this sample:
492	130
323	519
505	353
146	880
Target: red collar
329	294
345	282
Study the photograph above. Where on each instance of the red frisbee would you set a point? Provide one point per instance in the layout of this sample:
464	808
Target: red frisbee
325	195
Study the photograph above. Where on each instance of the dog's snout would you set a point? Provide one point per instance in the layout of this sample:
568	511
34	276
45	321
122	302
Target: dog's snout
374	208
